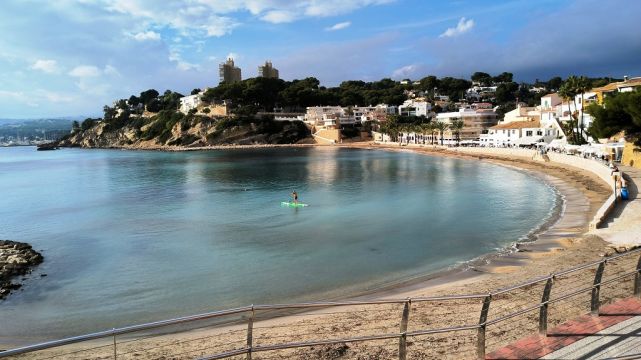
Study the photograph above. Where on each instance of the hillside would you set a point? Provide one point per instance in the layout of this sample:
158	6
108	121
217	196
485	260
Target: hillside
34	129
169	128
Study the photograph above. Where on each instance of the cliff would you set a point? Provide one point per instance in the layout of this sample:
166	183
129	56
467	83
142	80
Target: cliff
169	129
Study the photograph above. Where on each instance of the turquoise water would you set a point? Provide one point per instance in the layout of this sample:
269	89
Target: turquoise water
135	236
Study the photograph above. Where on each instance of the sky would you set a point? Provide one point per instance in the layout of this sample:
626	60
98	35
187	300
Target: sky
72	57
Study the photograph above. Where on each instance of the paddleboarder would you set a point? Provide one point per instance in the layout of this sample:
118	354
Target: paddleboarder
295	196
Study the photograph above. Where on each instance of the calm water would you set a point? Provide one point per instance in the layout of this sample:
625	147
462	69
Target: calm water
131	237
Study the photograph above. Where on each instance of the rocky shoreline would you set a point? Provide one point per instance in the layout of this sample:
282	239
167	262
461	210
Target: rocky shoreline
16	259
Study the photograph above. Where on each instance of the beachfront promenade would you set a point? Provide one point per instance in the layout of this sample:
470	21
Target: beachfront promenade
614	332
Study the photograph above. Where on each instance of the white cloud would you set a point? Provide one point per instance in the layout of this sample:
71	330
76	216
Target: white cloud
219	26
216	18
462	27
407	71
83	71
339	26
54	97
110	70
48	66
146	35
324	8
279	16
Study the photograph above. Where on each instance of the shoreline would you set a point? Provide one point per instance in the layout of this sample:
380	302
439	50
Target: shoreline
555	234
547	238
558	246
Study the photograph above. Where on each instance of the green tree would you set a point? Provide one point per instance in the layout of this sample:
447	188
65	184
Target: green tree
148	95
456	126
195	91
554	83
506	92
568	91
441	127
109	112
484	79
75	126
620	112
505	77
88	124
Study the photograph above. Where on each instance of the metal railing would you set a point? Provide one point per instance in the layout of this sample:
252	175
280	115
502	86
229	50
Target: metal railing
498	313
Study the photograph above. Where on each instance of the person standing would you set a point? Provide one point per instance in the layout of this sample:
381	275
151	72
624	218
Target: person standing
295	196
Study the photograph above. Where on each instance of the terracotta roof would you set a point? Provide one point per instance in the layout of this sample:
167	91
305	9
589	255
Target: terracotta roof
517	125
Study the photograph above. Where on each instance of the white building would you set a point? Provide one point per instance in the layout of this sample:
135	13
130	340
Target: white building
379	112
519	133
525	126
474	121
190	102
414	108
314	114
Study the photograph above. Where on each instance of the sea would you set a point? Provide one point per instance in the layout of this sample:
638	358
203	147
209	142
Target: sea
139	236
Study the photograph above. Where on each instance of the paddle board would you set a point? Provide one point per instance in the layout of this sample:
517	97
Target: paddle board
292	204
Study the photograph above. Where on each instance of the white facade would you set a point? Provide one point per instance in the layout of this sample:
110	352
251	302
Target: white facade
519	133
414	108
190	102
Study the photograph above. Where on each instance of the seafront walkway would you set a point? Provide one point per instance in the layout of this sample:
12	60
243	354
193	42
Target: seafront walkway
615	332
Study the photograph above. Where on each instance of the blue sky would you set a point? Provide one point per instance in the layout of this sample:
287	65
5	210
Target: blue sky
71	57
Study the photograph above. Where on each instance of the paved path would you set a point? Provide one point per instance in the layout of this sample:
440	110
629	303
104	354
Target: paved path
623	225
615	332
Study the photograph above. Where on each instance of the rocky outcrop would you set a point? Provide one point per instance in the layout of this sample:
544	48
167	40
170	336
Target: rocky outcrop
16	259
173	130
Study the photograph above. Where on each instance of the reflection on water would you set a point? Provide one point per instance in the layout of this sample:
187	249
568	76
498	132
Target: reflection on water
130	237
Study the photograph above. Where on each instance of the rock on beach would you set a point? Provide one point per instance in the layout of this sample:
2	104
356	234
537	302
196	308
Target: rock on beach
16	259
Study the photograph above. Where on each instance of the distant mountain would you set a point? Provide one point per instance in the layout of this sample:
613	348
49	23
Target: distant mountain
34	129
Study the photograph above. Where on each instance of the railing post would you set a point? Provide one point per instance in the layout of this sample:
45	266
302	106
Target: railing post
402	342
637	279
480	340
543	312
596	288
115	350
250	337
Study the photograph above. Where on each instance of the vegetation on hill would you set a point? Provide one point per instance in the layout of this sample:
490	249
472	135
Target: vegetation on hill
152	118
621	112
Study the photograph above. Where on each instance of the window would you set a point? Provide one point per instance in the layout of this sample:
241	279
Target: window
539	132
528	133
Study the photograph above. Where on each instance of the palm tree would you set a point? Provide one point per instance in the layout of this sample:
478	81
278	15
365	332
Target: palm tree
441	127
428	128
568	92
456	126
583	85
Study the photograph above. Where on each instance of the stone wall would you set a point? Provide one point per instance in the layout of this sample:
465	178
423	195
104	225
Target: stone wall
631	155
328	136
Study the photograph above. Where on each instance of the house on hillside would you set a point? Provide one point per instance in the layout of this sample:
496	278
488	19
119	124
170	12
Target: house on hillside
414	107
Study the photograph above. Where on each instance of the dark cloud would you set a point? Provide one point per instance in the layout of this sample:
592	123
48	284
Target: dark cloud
590	37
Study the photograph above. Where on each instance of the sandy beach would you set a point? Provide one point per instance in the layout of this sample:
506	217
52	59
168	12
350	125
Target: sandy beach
564	243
